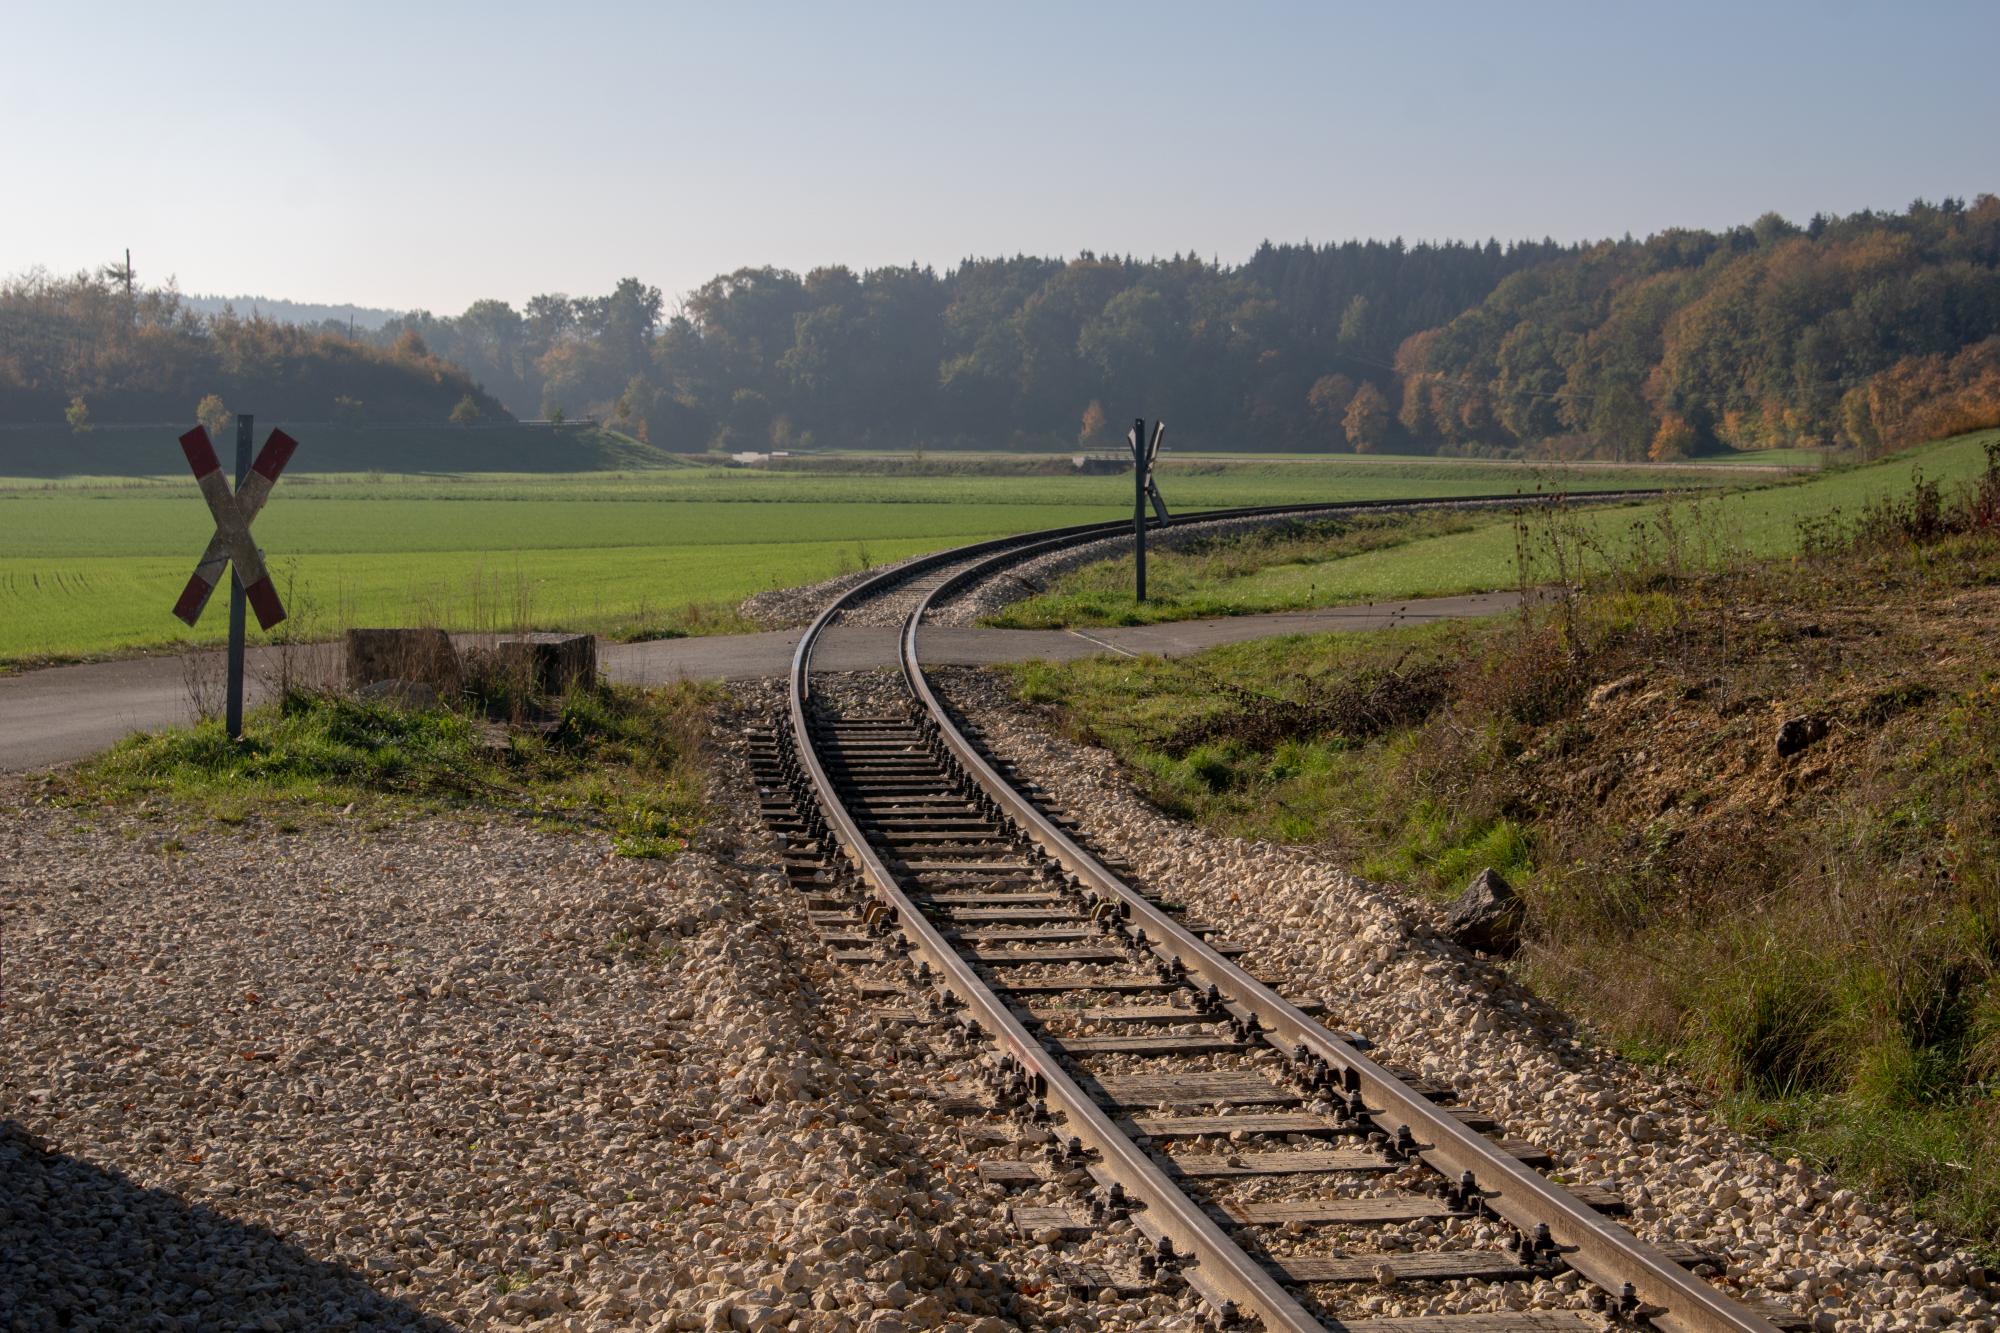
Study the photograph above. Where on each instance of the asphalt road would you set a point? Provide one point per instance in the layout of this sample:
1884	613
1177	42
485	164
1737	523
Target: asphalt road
61	714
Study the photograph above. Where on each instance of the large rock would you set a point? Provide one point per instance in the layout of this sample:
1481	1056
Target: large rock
551	663
1487	916
415	656
1796	733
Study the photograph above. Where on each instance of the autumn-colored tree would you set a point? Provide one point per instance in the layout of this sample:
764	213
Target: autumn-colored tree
1420	387
1857	422
1093	424
213	415
1367	419
78	416
1674	440
1927	397
466	413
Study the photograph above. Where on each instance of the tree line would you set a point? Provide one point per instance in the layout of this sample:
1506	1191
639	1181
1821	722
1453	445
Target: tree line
1865	331
1869	331
101	349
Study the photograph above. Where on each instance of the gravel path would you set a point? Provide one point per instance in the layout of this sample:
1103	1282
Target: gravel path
1788	1231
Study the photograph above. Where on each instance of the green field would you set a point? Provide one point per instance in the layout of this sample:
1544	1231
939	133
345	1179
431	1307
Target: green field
1761	521
89	567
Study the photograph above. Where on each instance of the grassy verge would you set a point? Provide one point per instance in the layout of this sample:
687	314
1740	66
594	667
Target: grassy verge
623	762
1217	577
88	568
1812	930
1253	573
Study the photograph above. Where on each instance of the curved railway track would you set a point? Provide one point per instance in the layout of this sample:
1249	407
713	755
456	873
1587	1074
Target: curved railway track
929	860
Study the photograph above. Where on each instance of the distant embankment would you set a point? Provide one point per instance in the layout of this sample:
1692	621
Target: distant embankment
150	451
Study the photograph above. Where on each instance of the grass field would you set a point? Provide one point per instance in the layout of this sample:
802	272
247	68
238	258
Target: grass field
1761	520
89	567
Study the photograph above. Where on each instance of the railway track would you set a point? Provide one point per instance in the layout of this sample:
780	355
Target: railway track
1253	1150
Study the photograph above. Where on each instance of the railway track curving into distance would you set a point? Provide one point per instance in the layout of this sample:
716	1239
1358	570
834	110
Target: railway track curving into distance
937	874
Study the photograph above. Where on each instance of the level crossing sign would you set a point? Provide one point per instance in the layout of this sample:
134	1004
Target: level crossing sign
234	512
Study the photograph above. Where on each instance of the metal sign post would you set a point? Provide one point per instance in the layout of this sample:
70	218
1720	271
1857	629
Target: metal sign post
233	709
1143	489
250	584
1136	437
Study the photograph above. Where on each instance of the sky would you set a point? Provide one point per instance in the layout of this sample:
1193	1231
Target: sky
426	155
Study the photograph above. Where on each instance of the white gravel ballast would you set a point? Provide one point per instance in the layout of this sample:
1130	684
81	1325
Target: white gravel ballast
1787	1231
448	1075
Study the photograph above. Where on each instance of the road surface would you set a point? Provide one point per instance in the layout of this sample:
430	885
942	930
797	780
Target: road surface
60	714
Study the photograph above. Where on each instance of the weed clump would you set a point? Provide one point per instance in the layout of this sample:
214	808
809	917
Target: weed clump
629	763
1810	928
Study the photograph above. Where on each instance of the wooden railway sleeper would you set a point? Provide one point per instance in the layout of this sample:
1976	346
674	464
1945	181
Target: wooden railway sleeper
1227	1274
1602	1252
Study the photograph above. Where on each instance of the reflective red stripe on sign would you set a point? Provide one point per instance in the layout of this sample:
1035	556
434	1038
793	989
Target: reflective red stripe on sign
200	453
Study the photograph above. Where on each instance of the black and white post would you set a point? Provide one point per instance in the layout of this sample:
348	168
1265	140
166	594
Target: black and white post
233	708
1137	439
1144	453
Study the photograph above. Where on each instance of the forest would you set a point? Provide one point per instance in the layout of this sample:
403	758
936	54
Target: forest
1862	332
100	349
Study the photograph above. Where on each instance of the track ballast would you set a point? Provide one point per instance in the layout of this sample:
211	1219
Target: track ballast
1246	1143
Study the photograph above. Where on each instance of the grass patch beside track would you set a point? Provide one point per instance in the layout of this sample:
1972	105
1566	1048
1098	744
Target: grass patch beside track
1812	932
623	762
1435	556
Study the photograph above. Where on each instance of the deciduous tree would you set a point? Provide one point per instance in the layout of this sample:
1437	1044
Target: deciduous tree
1092	432
1328	401
1366	421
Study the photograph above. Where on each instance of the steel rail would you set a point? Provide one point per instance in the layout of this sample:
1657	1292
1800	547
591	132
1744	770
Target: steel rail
1077	534
1601	1250
1219	1262
1223	1268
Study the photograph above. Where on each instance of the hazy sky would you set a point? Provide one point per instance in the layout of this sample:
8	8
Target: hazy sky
420	154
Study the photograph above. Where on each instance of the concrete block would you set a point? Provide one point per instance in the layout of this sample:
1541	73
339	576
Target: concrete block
423	656
551	663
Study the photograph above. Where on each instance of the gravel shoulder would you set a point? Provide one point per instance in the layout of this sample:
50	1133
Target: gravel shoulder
448	1074
1376	958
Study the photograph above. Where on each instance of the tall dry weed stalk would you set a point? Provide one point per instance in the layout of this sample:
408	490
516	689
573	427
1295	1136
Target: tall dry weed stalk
203	681
304	655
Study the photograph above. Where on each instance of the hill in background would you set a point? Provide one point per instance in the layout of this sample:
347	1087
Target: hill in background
91	351
151	451
307	313
1863	333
